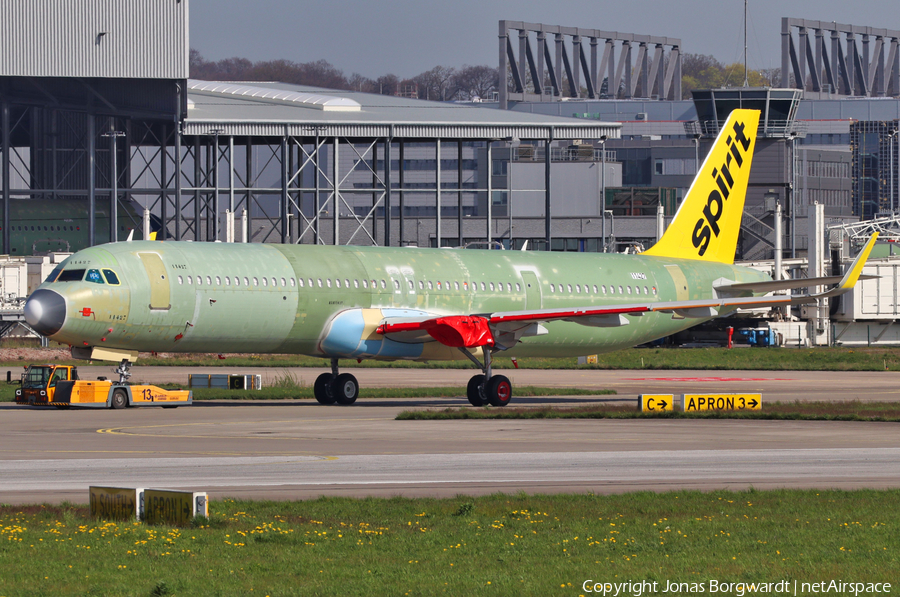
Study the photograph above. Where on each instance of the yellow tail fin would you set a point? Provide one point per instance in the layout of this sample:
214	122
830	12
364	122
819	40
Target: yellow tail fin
707	223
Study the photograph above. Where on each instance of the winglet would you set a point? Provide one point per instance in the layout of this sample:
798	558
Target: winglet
850	278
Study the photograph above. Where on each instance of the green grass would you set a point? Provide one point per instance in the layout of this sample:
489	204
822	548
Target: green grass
495	545
766	359
806	411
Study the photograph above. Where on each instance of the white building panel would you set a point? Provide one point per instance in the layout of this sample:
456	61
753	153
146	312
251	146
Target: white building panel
94	38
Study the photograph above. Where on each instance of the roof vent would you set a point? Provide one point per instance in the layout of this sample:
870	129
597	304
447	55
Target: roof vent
328	103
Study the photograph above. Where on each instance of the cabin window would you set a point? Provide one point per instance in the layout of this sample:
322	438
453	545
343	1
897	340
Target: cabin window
346	282
447	285
603	288
320	282
430	285
365	283
552	288
294	282
190	281
112	278
337	283
518	287
438	284
300	280
421	284
327	282
71	275
483	287
629	290
208	281
412	285
595	289
578	288
275	283
355	283
456	285
199	280
654	291
237	281
383	284
569	287
492	286
396	284
646	290
218	281
180	280
94	276
621	290
227	281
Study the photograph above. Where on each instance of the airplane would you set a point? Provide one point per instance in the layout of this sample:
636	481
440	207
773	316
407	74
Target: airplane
348	302
44	225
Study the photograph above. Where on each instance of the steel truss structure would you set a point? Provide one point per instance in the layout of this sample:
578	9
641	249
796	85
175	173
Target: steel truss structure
845	68
538	73
285	172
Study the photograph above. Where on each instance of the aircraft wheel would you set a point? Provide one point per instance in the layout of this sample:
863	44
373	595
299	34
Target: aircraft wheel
322	389
474	391
119	399
498	390
345	389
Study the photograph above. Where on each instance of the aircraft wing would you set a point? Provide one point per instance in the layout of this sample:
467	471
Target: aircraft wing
504	329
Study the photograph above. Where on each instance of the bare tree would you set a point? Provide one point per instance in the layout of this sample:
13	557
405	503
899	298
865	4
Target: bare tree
436	84
387	84
476	81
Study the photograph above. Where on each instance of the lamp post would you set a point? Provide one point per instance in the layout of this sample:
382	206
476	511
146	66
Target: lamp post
793	202
603	187
695	138
114	178
215	164
891	137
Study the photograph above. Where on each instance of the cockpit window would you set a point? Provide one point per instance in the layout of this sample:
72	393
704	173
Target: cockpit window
71	275
111	277
54	274
94	276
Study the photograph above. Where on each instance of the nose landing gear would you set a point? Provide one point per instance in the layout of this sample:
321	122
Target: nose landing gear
336	387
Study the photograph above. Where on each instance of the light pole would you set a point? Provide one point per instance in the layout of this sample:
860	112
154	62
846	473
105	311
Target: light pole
793	202
215	164
114	178
603	187
891	138
695	138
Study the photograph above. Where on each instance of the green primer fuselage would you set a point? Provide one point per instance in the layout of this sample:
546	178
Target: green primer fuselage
217	297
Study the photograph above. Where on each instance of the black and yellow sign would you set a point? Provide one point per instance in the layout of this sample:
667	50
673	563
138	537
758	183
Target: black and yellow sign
709	402
654	403
115	503
173	507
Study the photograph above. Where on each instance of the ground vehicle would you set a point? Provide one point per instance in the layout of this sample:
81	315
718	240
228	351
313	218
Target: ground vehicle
59	386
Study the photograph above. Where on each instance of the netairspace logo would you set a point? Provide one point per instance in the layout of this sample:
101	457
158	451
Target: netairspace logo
738	589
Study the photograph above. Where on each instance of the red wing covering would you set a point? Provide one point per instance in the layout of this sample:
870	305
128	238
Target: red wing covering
457	330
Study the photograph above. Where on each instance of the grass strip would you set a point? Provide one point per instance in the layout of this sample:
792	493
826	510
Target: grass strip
798	411
761	359
495	545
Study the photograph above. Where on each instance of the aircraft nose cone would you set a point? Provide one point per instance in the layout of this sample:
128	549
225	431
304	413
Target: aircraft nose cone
45	311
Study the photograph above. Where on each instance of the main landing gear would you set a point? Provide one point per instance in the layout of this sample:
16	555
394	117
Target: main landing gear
336	387
495	390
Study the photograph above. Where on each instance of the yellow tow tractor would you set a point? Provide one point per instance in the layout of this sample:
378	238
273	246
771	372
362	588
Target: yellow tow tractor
59	386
